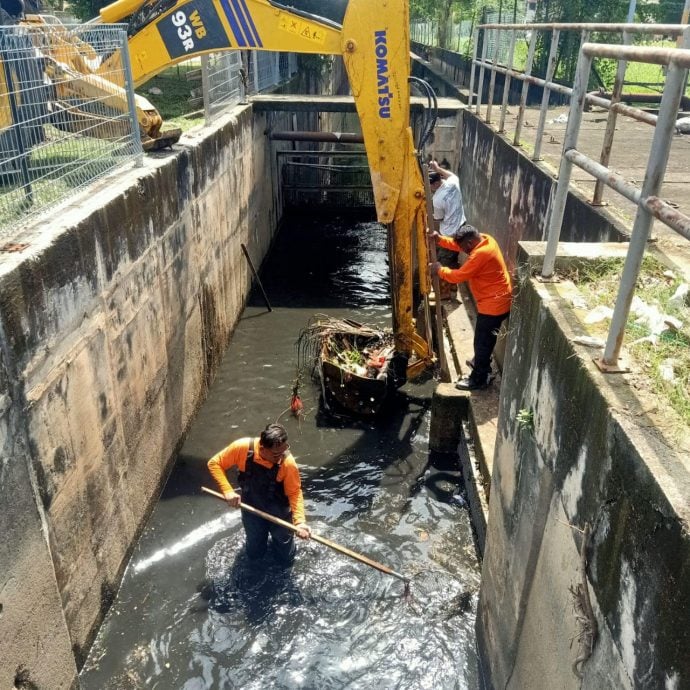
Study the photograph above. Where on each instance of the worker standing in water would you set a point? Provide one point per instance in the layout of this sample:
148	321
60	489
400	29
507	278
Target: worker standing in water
489	281
270	481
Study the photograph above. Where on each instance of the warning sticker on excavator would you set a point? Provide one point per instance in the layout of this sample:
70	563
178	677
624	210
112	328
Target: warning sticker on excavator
298	27
193	28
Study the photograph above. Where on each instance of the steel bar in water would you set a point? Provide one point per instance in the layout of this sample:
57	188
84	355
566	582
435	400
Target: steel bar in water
577	103
610	131
472	72
550	69
492	81
656	166
256	275
480	85
506	83
525	87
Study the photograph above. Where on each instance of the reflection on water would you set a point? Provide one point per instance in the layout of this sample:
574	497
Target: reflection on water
193	613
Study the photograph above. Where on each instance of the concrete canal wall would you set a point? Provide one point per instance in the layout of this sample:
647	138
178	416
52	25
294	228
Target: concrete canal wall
113	321
576	447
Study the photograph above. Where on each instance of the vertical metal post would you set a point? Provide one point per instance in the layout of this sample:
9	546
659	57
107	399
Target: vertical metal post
610	131
205	88
550	69
16	129
656	166
480	85
577	104
492	81
131	103
473	67
276	68
525	87
506	84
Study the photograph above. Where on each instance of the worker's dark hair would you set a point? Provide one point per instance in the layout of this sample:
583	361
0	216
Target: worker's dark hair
466	231
273	435
434	177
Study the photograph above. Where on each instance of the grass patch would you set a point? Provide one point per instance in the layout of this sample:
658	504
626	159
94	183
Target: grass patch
664	360
173	103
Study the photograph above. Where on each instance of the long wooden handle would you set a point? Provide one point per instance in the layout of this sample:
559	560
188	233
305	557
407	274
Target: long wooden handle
326	542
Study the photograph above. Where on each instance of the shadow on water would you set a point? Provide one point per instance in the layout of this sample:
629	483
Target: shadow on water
192	612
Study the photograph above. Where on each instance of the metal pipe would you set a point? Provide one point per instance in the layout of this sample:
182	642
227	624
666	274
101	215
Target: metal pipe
131	102
472	71
577	103
492	82
604	175
550	69
506	84
610	130
480	86
330	137
525	87
655	56
668	215
653	29
658	158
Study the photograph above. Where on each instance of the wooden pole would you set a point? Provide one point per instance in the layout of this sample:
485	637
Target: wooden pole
256	275
431	245
326	542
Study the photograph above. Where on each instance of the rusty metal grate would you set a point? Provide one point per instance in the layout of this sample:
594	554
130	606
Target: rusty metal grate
325	178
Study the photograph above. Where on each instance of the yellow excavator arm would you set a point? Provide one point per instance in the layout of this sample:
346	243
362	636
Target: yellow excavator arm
374	43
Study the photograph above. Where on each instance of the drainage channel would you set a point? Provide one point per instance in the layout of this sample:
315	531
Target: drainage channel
193	613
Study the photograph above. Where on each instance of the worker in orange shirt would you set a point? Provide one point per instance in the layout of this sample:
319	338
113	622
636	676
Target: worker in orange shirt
489	282
270	481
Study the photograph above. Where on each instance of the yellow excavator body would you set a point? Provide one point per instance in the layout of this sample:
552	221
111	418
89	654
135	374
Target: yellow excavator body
374	43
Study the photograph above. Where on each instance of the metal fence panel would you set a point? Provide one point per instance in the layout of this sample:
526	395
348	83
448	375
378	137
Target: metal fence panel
225	82
62	126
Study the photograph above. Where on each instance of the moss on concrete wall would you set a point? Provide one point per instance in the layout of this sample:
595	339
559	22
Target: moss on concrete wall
586	458
113	323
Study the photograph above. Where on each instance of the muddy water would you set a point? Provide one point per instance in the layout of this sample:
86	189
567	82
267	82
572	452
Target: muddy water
192	613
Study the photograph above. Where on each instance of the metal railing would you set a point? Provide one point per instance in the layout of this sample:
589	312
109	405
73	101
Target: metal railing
224	82
649	205
331	178
62	126
548	84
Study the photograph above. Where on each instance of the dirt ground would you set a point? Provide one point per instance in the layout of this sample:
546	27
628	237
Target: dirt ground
631	147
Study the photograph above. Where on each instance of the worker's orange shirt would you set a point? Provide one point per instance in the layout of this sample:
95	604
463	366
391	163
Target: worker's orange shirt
288	473
486	273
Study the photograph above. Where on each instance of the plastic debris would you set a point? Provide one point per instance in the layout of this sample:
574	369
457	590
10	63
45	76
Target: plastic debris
589	341
650	316
560	120
666	371
578	301
683	125
598	314
458	500
681	297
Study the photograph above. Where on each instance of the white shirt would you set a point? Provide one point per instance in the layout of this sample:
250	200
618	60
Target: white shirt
448	207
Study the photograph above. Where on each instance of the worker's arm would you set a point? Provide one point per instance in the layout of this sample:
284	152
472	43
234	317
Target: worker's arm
474	264
234	455
293	490
445	174
448	243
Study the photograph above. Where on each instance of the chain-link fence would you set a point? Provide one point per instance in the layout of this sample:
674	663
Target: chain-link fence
62	124
268	69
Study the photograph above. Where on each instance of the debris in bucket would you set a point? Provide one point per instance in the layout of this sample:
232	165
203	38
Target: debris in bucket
351	360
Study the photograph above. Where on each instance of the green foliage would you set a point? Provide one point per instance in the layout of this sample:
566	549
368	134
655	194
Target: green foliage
525	420
86	9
